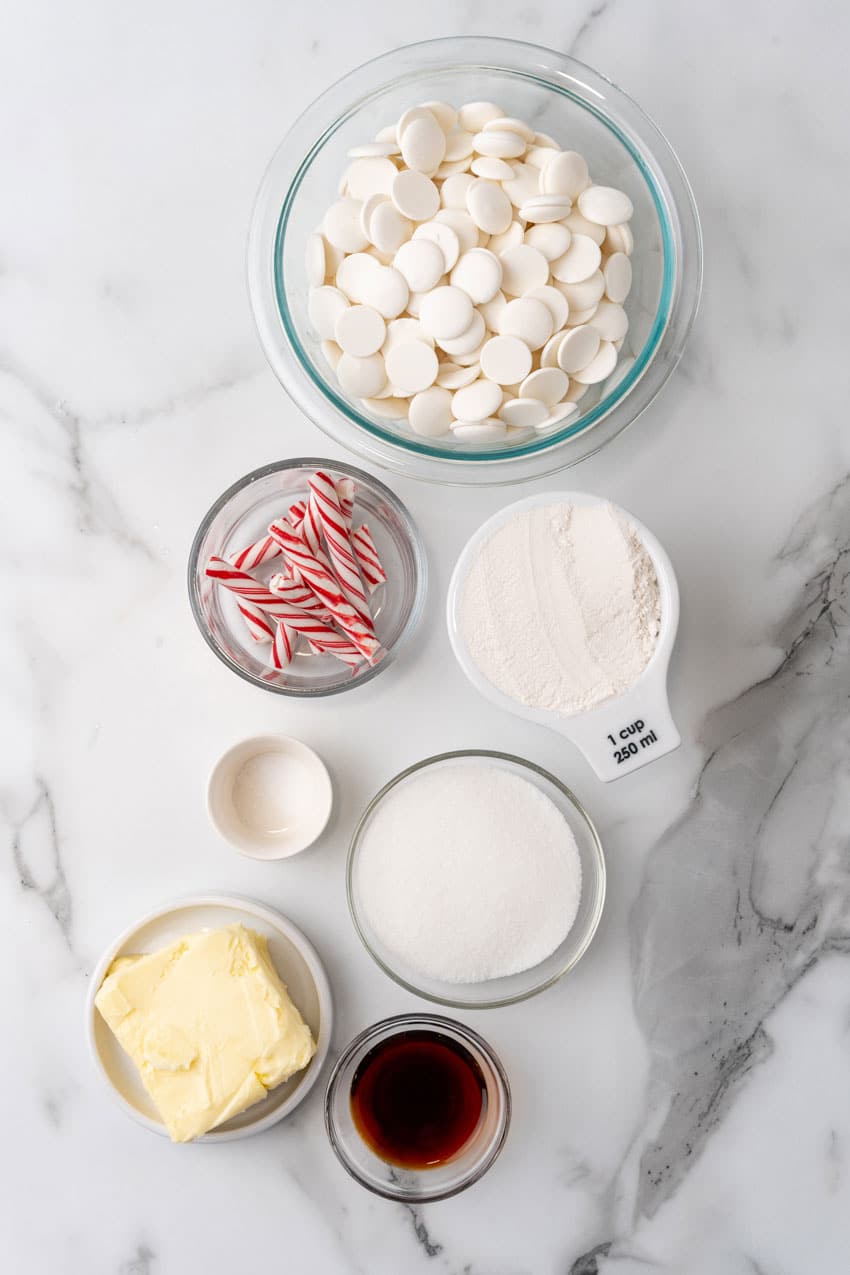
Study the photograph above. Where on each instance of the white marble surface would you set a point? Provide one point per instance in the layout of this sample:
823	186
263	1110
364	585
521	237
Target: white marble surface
681	1101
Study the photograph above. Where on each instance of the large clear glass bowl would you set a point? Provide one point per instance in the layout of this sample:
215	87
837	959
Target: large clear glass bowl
560	96
514	987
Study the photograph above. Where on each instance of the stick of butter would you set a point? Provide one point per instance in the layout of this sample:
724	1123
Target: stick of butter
209	1025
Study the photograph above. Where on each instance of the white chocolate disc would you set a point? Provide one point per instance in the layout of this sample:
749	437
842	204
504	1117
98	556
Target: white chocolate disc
364	378
414	195
431	412
421	262
617	273
548	384
386	290
474	115
411	367
360	330
511	125
423	144
341	225
523	270
610	321
527	319
605	205
477	401
579	262
468	234
506	360
556	303
566	174
324	306
489	206
488	431
599	367
524	413
446	312
578	349
550	238
468	342
479	274
314	260
502	144
388	229
443	236
495	170
371	176
454	377
453	191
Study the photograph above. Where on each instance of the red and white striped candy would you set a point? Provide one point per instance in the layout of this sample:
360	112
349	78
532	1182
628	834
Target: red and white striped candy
345	495
321	637
311	530
286	573
307	525
246	587
349	653
255	555
256	622
367	558
296	514
324	507
282	646
296	594
326	587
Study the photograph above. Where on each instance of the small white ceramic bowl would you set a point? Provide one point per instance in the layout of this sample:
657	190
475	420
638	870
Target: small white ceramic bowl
253	813
293	956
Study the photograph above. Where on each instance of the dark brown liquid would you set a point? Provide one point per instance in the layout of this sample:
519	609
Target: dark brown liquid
416	1098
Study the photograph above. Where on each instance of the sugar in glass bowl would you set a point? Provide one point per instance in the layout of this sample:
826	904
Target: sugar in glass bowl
241	515
494	992
558	95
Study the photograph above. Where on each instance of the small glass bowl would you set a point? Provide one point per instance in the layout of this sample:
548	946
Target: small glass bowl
241	515
408	1185
514	987
581	109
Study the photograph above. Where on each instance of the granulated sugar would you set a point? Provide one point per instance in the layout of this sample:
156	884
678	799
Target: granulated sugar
561	607
469	872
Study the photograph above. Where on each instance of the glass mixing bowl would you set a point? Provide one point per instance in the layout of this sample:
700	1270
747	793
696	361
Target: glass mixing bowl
241	515
514	987
560	96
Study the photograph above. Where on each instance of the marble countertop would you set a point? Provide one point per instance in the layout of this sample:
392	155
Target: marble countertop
680	1100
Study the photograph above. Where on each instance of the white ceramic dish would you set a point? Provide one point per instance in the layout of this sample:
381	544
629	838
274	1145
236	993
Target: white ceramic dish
623	733
295	960
305	805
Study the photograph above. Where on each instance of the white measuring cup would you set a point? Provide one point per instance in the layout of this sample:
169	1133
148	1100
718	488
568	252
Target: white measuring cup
625	732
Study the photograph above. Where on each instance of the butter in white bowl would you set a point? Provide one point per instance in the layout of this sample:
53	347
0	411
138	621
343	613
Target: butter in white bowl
208	1024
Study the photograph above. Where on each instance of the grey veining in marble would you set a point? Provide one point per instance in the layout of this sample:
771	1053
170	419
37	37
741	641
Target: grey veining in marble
751	887
36	856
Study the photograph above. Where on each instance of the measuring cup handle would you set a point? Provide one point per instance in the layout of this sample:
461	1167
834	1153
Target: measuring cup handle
633	730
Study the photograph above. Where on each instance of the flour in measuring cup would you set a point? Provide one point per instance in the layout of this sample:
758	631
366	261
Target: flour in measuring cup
560	608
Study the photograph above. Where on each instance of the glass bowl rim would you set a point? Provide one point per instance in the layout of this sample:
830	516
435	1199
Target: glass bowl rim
597	854
414	537
411	1021
668	188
